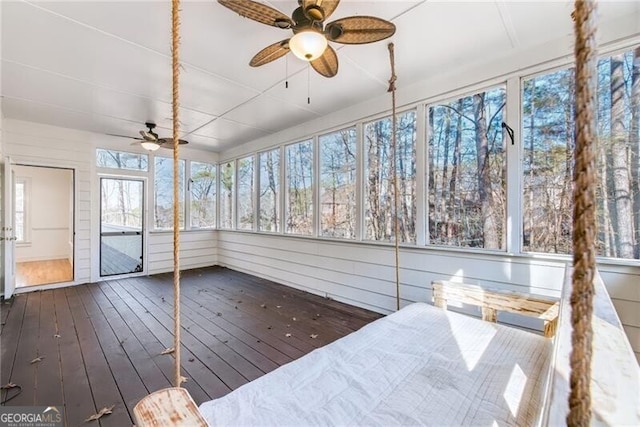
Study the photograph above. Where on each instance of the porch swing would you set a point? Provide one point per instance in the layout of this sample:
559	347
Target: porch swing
174	406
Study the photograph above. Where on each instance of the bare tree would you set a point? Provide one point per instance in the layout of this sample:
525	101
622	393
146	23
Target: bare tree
270	165
374	154
634	144
227	172
451	216
485	193
620	162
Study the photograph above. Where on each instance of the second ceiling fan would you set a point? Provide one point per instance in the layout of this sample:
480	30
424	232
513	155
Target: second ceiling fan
150	140
310	33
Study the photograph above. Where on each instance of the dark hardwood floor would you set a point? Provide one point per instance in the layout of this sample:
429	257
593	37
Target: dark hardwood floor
100	343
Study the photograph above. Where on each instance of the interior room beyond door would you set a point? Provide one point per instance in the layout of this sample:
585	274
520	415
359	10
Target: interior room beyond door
43	224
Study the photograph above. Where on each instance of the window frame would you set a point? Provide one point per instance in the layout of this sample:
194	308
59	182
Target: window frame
190	198
232	202
612	49
278	202
356	178
312	188
419	197
508	149
252	195
149	159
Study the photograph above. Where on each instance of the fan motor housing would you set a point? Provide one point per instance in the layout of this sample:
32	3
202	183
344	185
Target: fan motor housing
303	22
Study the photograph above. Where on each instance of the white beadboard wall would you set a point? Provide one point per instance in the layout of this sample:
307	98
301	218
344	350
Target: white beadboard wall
364	274
45	145
197	249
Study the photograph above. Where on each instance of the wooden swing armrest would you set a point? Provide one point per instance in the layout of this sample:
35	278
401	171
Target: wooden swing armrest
492	301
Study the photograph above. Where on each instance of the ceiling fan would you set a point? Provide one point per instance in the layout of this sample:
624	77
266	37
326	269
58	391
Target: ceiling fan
311	34
150	140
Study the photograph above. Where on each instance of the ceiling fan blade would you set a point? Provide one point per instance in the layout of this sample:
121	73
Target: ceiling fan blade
258	12
359	30
124	136
327	5
327	64
168	142
270	53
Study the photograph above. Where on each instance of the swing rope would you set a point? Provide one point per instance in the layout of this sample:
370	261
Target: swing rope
175	43
394	174
584	199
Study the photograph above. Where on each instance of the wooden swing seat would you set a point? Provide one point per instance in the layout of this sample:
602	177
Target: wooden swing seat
168	407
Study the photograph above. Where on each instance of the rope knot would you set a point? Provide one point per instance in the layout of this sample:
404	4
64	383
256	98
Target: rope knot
392	84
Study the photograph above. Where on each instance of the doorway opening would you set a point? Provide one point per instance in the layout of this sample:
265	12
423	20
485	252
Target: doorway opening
43	224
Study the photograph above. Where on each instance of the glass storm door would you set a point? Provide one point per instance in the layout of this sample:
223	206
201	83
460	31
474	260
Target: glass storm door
121	226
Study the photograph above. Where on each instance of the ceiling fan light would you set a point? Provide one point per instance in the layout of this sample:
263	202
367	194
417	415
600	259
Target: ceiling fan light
308	45
149	146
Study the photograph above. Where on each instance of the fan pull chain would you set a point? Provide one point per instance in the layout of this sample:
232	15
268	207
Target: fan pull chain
308	83
286	72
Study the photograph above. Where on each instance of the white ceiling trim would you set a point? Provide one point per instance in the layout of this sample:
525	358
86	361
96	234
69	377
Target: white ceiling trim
509	27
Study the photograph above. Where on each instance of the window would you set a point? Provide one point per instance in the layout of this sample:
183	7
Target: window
202	186
548	133
338	184
121	160
269	197
299	194
547	139
618	163
227	178
467	169
245	193
163	194
20	218
378	184
465	199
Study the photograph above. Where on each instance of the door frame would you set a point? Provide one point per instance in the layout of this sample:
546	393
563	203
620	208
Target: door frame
97	226
13	161
8	234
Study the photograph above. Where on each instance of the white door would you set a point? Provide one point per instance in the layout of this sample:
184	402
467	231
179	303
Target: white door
8	232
